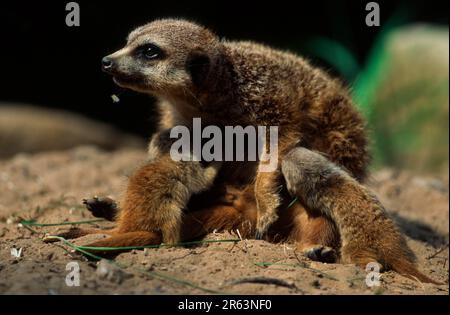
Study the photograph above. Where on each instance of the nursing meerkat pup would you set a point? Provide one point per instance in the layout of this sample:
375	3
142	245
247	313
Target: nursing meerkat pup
367	233
193	73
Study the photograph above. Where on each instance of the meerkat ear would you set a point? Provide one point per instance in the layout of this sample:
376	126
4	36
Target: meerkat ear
198	65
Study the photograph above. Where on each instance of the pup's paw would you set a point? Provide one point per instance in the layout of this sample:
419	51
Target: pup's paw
102	207
321	253
263	224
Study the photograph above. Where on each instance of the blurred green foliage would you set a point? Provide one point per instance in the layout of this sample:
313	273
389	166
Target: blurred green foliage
403	90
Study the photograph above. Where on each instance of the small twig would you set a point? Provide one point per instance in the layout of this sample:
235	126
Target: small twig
438	251
232	247
264	280
298	259
33	223
31	230
301	264
189	254
292	202
244	241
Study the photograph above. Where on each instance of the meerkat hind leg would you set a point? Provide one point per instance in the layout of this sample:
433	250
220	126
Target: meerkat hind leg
128	239
76	232
100	207
316	236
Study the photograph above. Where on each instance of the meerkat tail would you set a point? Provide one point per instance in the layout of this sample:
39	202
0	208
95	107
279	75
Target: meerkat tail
408	269
367	233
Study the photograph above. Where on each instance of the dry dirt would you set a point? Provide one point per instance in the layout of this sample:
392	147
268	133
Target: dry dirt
49	187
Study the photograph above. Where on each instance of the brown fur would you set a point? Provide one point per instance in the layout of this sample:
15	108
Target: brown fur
158	207
227	209
367	232
240	83
235	83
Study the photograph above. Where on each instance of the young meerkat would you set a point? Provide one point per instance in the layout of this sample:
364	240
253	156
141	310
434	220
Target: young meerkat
194	73
367	233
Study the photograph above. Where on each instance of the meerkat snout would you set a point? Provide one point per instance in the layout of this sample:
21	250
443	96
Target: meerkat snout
107	64
165	58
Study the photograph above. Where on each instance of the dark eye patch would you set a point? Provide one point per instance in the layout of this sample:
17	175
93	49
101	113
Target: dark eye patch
149	52
198	65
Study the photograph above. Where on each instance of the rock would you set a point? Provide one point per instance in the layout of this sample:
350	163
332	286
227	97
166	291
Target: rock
27	128
109	271
409	106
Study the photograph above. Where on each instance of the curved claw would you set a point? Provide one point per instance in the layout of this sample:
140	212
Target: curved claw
321	253
101	207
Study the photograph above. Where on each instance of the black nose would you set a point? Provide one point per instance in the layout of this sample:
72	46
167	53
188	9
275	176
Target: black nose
107	64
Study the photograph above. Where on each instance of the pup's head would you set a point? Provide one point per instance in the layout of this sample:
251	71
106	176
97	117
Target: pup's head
164	57
309	173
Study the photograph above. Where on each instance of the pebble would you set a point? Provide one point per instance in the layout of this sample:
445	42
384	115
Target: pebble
111	272
52	292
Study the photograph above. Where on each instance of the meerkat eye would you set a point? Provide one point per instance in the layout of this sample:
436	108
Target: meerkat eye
150	51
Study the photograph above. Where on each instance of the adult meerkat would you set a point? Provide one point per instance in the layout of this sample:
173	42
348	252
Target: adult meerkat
194	73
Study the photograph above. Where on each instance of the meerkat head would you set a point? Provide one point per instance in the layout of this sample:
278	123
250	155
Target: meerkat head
307	171
164	57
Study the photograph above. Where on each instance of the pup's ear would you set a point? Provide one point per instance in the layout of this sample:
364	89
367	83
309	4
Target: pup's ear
198	65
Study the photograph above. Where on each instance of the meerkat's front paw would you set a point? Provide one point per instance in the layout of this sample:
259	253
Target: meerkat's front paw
263	224
267	202
102	207
321	253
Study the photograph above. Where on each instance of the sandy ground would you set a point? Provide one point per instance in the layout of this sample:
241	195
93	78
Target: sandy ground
49	187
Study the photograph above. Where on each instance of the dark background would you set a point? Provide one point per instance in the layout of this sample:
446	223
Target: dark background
44	62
